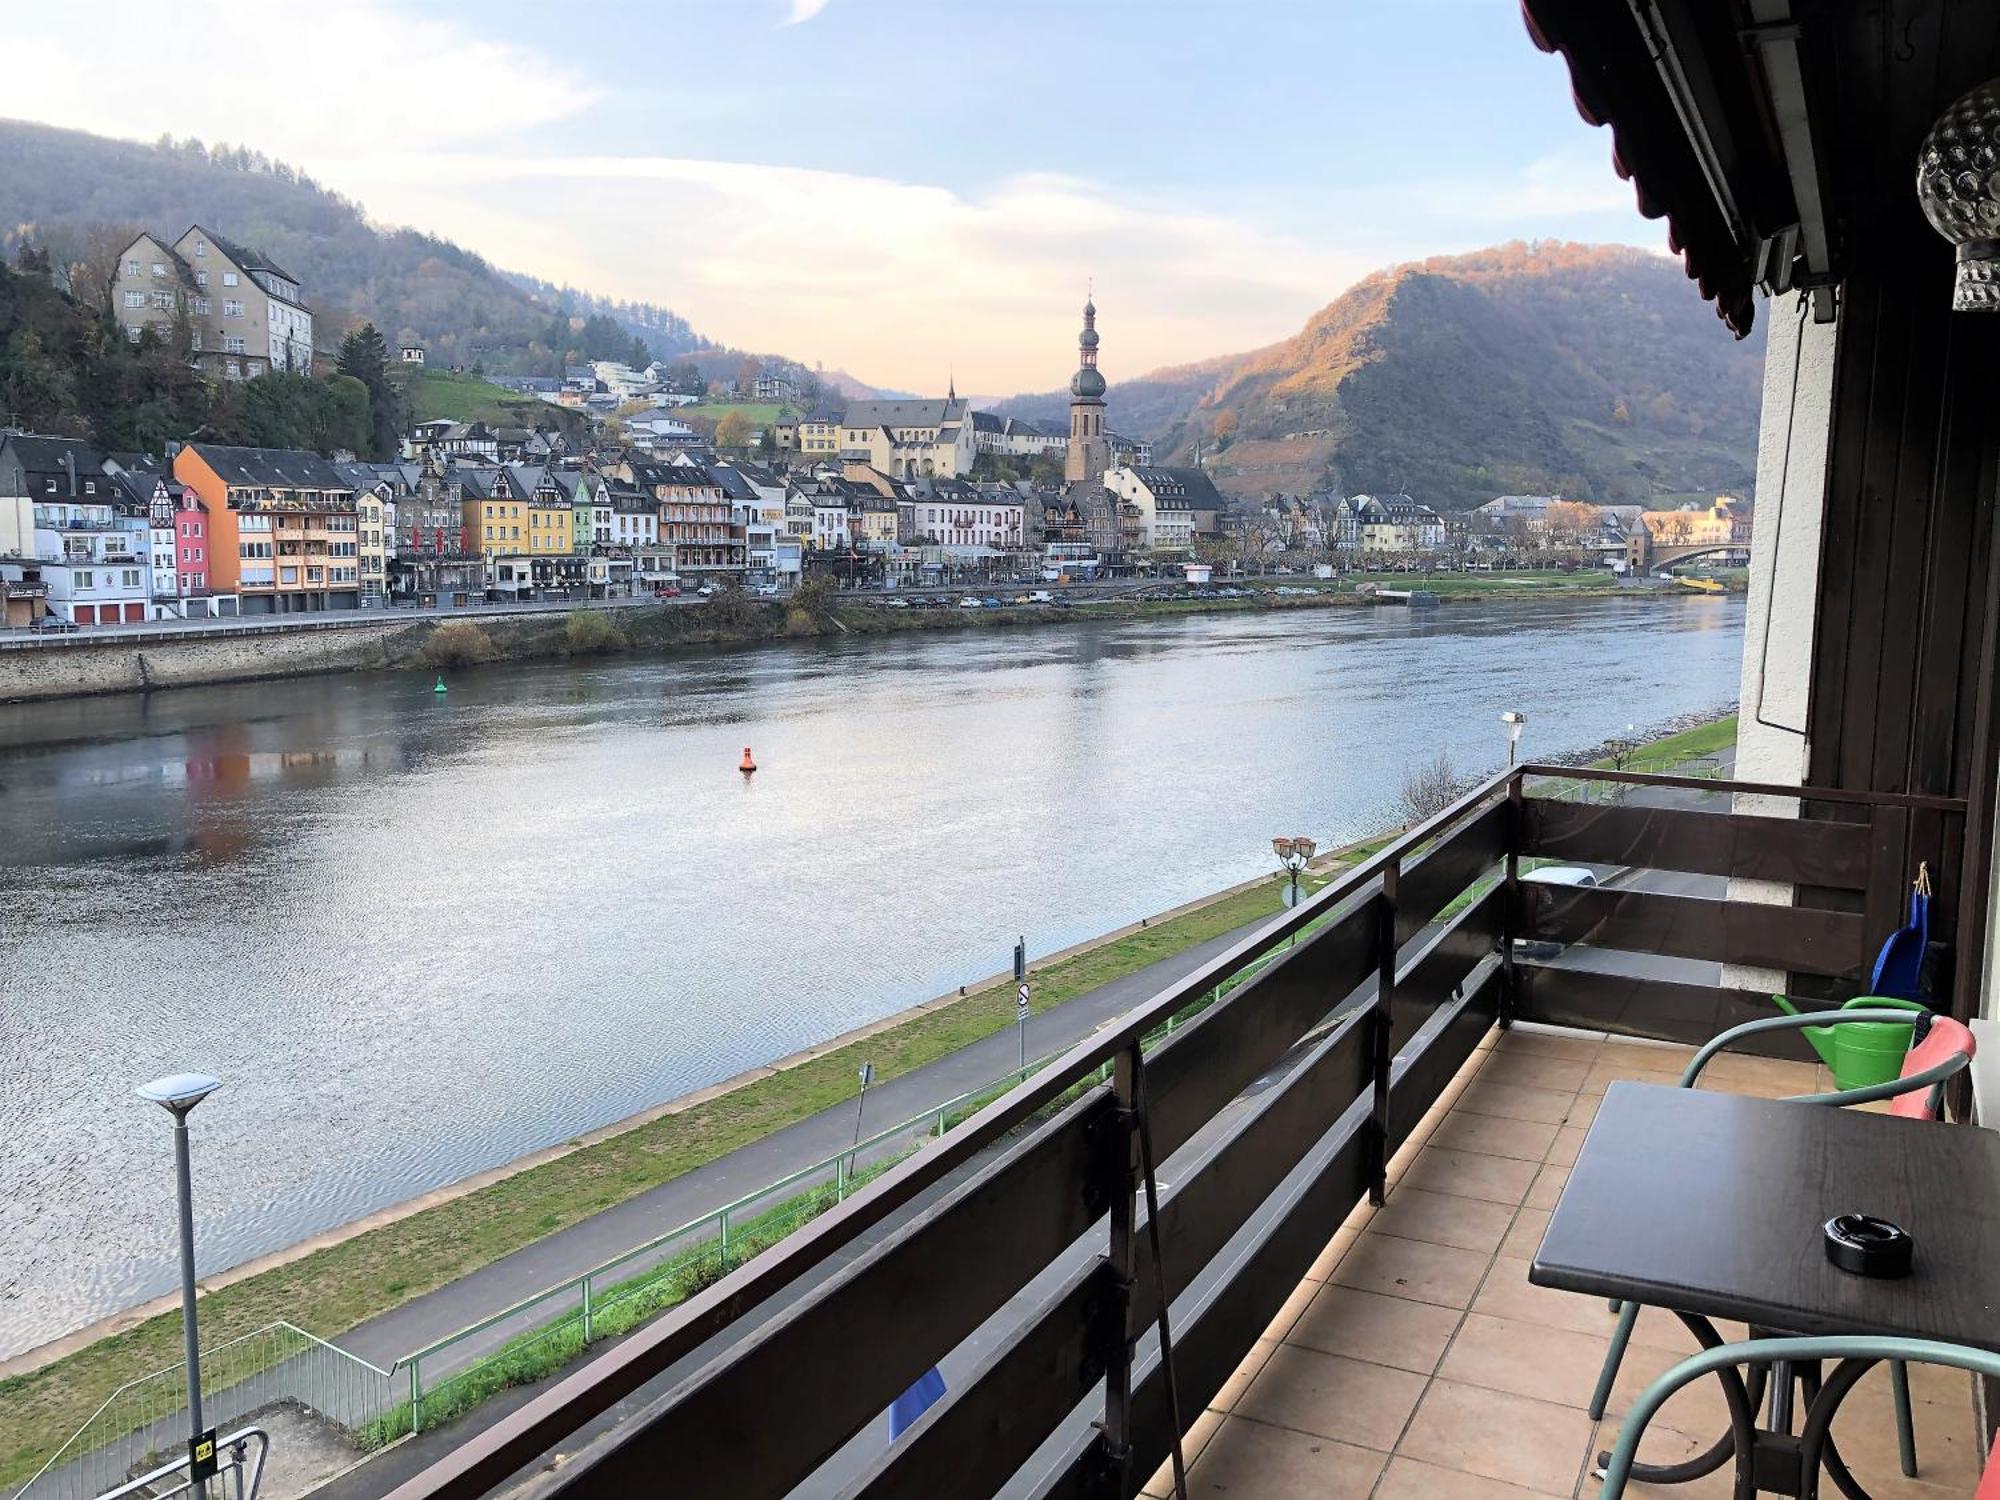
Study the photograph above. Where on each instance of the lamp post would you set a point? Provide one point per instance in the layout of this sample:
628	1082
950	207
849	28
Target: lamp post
1292	855
178	1094
1515	722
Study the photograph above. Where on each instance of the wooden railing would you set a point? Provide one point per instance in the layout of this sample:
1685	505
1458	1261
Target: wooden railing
1279	1106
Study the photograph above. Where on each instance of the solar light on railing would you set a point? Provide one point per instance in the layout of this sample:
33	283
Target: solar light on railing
1515	722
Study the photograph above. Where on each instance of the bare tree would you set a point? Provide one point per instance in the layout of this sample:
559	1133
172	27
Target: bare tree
93	265
1429	787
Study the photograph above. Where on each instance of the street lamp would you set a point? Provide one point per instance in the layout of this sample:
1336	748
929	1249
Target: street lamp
178	1094
1515	722
1292	855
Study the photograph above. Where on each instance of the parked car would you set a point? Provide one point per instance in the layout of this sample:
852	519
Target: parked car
968	602
52	625
666	591
1541	950
1041	596
708	591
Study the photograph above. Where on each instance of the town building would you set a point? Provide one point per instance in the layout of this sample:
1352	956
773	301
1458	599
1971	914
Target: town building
656	427
1166	500
907	439
697	522
282	529
411	354
819	431
1386	523
952	514
769	387
1016	437
244	315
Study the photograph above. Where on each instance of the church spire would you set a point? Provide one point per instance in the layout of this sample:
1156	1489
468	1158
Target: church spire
951	386
1089	449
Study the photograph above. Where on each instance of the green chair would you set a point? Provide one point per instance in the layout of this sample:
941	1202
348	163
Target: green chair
1856	1354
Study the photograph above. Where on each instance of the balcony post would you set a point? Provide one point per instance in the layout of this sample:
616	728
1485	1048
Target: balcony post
1381	1029
1510	905
1115	1433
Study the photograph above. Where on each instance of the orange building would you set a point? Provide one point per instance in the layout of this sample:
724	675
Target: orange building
283	534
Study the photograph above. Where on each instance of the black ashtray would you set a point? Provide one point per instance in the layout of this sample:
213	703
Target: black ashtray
1869	1246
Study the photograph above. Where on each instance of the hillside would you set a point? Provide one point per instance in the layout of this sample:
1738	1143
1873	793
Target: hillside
1592	371
70	192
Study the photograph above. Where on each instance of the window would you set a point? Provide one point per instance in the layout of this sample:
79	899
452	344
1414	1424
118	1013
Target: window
229	278
194	339
131	269
201	278
129	577
135	299
133	331
232	343
164	301
85	579
201	249
231	308
233	369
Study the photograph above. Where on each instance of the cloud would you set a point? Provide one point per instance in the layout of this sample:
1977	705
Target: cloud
897	281
803	10
357	75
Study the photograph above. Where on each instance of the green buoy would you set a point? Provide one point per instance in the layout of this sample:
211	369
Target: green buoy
440	686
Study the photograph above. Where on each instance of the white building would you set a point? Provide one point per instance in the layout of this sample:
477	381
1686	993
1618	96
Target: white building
958	517
1167	500
908	439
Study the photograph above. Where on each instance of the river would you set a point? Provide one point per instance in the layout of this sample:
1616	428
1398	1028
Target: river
421	935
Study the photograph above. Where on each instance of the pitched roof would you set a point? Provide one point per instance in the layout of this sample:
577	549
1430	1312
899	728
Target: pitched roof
932	411
44	455
244	256
277	468
1192	485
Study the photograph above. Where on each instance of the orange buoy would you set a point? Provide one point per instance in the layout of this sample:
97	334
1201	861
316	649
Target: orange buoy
748	765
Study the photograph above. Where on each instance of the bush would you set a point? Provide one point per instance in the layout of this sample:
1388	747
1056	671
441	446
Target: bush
730	609
587	631
458	643
1429	787
815	596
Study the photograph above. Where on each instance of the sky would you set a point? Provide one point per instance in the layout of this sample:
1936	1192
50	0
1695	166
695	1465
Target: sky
912	190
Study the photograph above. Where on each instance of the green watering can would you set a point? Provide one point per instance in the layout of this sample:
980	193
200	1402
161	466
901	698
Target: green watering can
1864	1052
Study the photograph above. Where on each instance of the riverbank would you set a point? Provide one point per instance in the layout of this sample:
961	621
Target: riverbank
334	1282
76	666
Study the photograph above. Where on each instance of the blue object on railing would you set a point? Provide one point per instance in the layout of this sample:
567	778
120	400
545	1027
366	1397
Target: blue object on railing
914	1402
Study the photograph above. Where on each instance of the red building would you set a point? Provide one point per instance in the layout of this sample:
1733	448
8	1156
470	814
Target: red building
191	545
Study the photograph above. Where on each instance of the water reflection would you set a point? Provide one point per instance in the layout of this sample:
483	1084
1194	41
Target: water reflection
421	935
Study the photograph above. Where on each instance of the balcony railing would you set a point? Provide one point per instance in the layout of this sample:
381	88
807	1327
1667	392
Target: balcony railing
1310	1051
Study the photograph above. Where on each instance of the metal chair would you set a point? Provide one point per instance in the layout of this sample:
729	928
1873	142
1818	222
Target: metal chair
1942	1048
1856	1355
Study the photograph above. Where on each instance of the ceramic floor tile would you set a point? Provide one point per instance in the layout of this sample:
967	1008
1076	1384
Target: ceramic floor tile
1496	1135
1380	1329
1525	1359
1347	1400
1472	1174
1247	1458
1410	1268
1444	1219
1537	1445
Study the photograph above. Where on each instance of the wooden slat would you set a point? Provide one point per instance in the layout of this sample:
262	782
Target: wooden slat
1212	1198
1658	1009
1433	1059
1211	1339
1005	1409
1430	975
1201	1068
1792	938
769	1410
1430	884
1796	851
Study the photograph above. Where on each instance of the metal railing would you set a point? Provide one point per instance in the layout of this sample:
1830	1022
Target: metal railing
1275	1110
147	1417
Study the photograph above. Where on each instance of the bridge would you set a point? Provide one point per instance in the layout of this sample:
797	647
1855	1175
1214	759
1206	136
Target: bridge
1645	554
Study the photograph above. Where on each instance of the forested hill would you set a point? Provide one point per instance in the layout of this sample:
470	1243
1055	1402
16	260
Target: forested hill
67	190
1547	368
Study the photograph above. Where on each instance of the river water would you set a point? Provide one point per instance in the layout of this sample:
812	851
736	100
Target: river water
422	935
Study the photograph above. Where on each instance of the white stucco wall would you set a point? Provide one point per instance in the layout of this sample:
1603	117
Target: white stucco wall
1792	443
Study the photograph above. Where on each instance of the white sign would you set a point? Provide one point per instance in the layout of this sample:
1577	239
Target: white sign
1021	1007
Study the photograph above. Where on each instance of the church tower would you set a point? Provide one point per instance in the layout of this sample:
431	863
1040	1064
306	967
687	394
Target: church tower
1089	449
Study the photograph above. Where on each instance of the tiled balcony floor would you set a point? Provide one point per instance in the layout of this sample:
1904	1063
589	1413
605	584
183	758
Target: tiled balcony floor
1416	1362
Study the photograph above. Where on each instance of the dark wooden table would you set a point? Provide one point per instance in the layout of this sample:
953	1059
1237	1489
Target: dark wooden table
1711	1205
